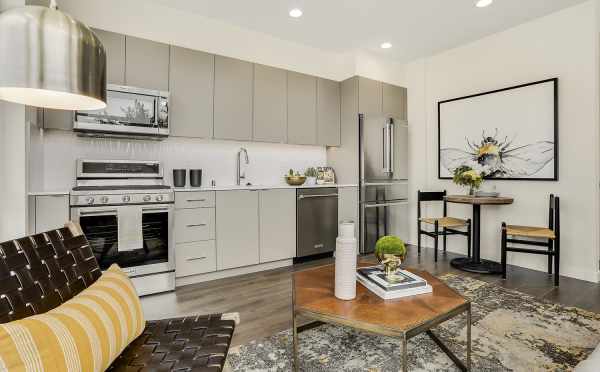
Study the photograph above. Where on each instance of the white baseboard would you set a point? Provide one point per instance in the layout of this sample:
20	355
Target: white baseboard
193	279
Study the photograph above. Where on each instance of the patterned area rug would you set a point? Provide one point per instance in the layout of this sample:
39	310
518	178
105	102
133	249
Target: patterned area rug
511	332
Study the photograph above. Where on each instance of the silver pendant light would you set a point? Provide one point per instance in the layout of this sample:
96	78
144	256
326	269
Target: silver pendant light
48	59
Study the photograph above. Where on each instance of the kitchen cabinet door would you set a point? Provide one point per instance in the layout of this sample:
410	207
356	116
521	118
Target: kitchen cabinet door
233	99
191	86
277	225
328	112
369	96
302	109
146	64
114	44
58	119
51	212
348	206
394	101
237	229
270	104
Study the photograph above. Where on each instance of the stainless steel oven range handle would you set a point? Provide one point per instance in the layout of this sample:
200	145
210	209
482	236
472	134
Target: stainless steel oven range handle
196	258
317	196
159	209
97	212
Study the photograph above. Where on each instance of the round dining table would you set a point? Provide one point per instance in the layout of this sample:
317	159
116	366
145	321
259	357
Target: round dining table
475	264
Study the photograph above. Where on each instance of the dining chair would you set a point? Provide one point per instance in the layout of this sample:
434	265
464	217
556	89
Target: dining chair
548	237
442	226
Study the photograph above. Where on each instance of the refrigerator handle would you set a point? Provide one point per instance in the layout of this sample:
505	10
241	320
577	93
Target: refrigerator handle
391	148
384	149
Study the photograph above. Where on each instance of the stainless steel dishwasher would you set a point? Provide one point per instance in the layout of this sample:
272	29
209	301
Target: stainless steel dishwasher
317	220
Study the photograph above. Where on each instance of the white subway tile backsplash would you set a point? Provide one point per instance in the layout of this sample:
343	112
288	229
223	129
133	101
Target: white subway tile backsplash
268	162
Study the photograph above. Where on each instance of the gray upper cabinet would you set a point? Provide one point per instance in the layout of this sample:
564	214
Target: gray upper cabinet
394	101
369	96
328	112
146	64
114	44
270	104
302	109
191	84
233	99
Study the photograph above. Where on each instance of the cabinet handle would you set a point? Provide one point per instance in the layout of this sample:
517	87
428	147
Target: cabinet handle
196	225
195	200
196	258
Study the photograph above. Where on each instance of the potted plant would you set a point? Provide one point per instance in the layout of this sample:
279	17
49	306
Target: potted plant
294	178
390	251
311	176
468	176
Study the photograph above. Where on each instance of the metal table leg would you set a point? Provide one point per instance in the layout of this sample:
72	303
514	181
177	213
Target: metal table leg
404	354
469	338
295	362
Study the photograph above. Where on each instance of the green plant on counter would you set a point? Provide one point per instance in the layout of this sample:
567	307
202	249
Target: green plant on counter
390	245
310	172
292	173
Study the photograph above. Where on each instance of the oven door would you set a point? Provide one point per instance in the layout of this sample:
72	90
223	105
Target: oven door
106	228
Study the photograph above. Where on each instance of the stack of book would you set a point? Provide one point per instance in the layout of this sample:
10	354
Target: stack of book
402	284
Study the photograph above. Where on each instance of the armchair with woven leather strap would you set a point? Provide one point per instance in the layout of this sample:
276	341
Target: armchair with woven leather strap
40	272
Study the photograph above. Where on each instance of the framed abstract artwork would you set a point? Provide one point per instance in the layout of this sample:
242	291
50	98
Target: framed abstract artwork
509	134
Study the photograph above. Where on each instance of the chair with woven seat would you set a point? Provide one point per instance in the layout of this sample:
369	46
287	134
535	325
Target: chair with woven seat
548	237
442	226
41	272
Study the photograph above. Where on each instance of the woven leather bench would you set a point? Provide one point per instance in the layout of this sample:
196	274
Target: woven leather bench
40	272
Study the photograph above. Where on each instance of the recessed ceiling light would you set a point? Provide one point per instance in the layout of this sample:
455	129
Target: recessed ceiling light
386	45
483	3
295	13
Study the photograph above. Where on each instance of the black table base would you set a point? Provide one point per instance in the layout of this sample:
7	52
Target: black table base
481	267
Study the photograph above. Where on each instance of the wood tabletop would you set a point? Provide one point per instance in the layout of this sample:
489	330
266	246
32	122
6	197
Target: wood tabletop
480	200
314	295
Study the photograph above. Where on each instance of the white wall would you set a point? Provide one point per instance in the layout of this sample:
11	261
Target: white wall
268	162
563	45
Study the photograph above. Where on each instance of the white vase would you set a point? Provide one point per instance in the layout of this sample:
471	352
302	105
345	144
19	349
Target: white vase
345	262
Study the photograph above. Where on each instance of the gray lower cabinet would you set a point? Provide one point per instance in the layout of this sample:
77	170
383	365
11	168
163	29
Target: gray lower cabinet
394	101
233	99
270	104
237	229
195	258
277	225
348	206
191	84
302	109
146	64
114	45
58	119
48	212
328	112
369	96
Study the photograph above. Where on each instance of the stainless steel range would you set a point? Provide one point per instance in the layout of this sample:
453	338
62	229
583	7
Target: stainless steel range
126	212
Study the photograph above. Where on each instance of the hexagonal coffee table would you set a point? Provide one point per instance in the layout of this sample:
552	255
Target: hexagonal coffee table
313	297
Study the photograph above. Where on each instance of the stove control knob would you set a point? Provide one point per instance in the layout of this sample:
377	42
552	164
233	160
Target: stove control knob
126	198
104	199
147	198
89	200
159	198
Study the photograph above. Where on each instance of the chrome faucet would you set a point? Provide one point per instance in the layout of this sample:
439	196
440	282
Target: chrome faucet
239	176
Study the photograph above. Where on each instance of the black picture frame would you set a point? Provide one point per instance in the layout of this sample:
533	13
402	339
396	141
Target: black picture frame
556	138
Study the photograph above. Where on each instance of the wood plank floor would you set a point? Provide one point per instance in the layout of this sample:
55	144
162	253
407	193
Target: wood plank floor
264	299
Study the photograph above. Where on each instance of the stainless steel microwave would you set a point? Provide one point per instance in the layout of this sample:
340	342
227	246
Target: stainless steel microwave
130	112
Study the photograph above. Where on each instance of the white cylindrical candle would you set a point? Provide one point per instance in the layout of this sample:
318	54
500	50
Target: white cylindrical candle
345	262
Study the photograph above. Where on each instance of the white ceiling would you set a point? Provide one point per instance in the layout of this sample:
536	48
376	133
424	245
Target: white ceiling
416	28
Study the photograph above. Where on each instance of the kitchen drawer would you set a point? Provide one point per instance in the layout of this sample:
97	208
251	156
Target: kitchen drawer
194	224
194	199
195	258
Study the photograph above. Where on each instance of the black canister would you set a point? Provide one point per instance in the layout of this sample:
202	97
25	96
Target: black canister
195	177
179	177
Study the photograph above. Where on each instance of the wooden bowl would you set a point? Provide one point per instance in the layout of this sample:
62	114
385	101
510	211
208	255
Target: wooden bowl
295	180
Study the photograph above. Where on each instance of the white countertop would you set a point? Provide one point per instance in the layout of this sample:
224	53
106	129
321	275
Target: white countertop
49	193
257	187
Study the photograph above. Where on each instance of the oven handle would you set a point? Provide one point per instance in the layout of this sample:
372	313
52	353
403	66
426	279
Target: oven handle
98	212
156	209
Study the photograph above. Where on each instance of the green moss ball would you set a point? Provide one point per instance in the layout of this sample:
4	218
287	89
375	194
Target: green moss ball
390	245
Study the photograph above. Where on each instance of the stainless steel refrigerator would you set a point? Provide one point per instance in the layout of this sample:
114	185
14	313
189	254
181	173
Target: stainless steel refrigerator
383	179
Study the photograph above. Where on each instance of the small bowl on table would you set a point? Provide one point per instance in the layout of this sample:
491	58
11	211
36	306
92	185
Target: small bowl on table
295	180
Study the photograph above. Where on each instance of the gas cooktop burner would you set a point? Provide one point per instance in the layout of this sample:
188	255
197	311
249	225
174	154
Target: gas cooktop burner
121	187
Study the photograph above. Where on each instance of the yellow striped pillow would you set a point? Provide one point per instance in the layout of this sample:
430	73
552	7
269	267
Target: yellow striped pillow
85	333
